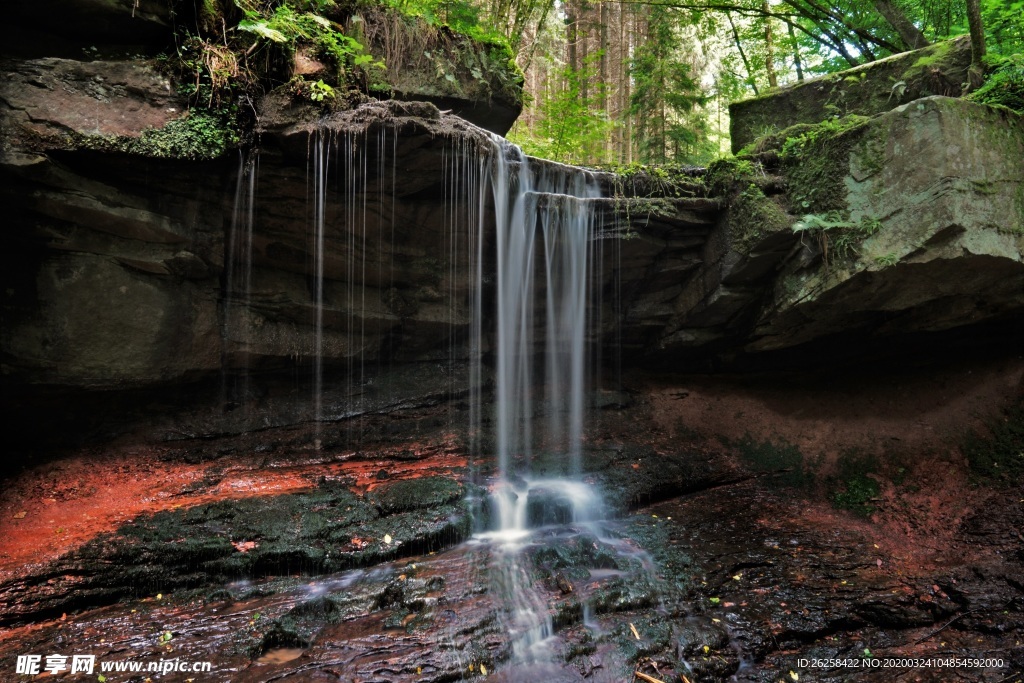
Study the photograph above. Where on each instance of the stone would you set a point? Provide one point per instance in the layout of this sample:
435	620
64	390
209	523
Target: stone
942	177
922	211
873	88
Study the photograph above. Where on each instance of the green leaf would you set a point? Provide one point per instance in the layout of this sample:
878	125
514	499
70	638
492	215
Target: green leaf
261	29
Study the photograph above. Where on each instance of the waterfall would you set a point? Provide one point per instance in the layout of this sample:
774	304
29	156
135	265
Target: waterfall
238	282
544	229
536	259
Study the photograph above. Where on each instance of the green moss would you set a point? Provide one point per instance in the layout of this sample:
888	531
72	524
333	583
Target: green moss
936	54
724	175
782	459
197	135
857	494
816	162
753	216
413	494
855	487
1004	85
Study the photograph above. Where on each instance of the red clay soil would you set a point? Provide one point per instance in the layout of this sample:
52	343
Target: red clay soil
908	423
51	509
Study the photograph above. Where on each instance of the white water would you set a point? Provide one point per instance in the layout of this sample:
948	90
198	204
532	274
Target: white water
544	229
542	238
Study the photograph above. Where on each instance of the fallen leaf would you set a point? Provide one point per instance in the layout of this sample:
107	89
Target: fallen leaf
794	675
20	514
387	539
636	634
244	546
645	677
483	669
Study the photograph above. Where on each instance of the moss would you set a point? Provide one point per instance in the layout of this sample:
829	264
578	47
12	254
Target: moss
413	494
857	494
855	487
724	175
1004	85
753	216
197	135
782	459
817	160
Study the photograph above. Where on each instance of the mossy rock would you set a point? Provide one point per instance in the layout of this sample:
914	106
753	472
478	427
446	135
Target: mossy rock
415	494
874	88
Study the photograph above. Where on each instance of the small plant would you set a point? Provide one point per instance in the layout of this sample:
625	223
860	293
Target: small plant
855	487
837	237
886	260
320	91
898	89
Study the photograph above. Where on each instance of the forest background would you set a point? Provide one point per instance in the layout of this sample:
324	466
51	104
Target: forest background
621	82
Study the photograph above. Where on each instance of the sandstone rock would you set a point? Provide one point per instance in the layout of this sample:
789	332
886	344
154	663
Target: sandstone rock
920	228
943	179
88	22
876	87
48	102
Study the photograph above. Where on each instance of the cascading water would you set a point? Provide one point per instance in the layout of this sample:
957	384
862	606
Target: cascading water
544	242
544	229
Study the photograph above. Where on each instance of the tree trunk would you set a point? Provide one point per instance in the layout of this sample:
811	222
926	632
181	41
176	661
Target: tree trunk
743	55
908	33
976	73
604	85
571	35
769	48
796	53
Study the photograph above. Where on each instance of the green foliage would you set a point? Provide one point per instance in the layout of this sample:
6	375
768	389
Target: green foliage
571	128
854	488
999	456
296	22
664	92
839	238
1004	84
886	260
462	16
320	91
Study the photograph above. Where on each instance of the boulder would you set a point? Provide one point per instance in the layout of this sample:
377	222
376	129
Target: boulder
874	88
906	223
935	190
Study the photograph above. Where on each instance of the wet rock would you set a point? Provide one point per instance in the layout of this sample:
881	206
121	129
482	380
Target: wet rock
325	530
413	494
